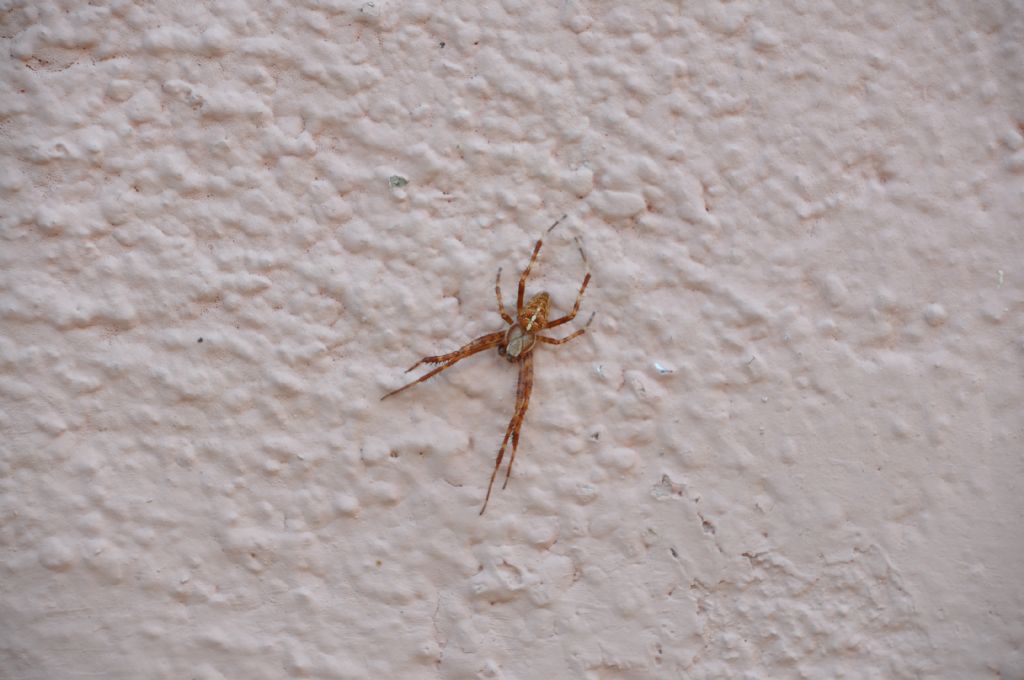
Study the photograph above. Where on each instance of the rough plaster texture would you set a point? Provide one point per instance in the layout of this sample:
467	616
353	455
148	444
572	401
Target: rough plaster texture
790	448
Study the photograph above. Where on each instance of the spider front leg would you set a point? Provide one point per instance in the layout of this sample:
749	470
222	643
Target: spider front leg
481	343
452	358
523	389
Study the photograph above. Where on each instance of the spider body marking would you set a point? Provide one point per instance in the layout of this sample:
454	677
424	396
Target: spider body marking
516	343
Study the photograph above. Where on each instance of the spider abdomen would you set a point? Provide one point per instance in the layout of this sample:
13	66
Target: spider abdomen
534	316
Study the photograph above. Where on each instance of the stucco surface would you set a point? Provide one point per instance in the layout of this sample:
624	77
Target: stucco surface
790	445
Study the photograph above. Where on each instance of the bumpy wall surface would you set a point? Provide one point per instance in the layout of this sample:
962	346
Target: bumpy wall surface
789	446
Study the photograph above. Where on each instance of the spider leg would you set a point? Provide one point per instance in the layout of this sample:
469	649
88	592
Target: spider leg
497	464
481	343
579	297
523	400
526	272
575	308
525	376
501	305
449	360
525	275
562	341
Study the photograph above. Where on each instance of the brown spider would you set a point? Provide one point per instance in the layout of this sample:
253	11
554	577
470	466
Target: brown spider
515	343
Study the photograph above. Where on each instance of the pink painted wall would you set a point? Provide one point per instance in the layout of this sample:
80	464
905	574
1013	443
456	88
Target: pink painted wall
790	445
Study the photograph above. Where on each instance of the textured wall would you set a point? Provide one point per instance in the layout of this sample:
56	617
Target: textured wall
790	446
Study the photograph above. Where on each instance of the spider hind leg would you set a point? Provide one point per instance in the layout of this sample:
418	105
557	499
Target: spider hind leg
526	272
501	305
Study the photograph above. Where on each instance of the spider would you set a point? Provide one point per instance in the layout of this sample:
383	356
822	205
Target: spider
516	343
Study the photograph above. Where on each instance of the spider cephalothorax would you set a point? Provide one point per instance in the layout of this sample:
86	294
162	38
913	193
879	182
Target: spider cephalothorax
515	343
521	337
